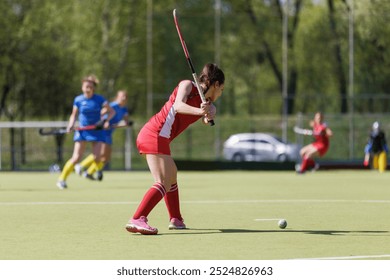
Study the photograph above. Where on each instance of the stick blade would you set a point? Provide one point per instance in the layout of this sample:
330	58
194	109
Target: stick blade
296	129
302	131
52	131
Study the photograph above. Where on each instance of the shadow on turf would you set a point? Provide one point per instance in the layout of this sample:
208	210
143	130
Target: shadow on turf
320	232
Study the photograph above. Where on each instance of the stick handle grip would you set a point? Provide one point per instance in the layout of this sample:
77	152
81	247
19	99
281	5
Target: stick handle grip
200	90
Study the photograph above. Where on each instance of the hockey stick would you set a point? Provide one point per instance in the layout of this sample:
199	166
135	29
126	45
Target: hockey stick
52	131
59	131
302	131
187	54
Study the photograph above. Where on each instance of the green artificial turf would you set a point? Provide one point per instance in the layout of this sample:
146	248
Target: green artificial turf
330	214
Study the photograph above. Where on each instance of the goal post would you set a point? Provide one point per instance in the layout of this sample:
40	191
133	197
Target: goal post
34	140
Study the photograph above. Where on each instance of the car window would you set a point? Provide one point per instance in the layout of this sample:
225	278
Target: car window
248	141
263	141
281	140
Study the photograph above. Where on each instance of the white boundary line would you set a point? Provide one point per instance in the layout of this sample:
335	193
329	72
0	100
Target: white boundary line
268	219
66	203
197	202
349	257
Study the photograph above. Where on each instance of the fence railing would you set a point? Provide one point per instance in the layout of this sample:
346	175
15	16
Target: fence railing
22	148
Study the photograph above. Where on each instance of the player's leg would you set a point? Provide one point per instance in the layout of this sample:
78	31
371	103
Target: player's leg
91	169
160	166
105	154
375	164
78	150
321	150
307	154
172	202
97	167
382	161
96	151
105	158
84	164
302	154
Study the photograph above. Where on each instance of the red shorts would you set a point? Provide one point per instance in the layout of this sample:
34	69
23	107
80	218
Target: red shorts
321	148
148	142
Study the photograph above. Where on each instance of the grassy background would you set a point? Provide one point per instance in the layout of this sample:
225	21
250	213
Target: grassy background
330	214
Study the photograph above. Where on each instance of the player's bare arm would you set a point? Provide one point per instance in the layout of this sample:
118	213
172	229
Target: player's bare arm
110	114
72	119
329	132
182	107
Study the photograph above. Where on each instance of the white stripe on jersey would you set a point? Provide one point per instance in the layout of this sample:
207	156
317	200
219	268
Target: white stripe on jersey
167	127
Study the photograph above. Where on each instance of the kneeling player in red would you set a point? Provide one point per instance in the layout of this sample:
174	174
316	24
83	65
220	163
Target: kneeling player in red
319	147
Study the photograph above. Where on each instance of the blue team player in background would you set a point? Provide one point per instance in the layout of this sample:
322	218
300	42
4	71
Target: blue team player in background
119	105
87	108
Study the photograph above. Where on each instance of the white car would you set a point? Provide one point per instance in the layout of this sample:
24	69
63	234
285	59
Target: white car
259	147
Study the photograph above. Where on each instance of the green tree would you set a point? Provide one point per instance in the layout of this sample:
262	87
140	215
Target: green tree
372	56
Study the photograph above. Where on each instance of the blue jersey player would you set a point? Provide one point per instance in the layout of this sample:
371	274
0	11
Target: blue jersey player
119	105
87	109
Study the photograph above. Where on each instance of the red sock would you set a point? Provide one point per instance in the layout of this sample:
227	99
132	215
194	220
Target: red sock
303	164
310	163
172	202
307	163
150	200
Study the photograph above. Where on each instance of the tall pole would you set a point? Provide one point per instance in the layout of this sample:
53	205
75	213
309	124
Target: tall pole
217	27
217	53
149	58
285	70
351	77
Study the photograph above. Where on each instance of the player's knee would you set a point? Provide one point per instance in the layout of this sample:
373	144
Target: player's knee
75	159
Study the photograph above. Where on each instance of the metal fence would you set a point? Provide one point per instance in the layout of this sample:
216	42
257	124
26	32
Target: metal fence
23	148
30	151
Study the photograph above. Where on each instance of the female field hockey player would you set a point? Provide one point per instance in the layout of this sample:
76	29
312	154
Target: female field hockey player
119	105
183	108
376	149
319	147
87	108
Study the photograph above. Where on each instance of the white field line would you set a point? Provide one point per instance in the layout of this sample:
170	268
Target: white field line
268	219
66	203
349	257
197	202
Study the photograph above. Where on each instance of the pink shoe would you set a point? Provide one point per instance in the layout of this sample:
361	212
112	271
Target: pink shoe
176	224
140	225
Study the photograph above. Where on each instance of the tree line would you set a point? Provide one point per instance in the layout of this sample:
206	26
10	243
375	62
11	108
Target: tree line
46	47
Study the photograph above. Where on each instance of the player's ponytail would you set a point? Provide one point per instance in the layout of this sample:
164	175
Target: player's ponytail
210	74
92	79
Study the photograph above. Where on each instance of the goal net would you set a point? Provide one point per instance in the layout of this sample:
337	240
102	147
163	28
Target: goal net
23	148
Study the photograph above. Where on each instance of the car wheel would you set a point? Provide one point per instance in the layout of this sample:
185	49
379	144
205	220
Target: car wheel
238	157
282	158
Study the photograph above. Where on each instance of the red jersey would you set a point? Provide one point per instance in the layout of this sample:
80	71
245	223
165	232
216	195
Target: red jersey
321	138
169	124
166	125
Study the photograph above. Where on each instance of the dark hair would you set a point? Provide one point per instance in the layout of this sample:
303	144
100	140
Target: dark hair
211	73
